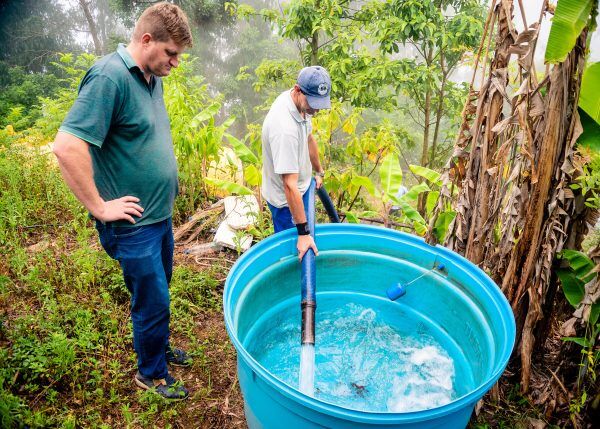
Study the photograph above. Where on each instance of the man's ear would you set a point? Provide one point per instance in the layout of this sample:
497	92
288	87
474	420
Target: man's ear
146	39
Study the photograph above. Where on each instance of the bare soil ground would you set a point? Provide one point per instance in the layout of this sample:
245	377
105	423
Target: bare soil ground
215	398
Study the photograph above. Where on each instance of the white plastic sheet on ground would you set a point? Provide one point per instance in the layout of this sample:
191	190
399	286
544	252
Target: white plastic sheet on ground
240	214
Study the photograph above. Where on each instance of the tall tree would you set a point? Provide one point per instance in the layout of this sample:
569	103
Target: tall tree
367	48
441	32
101	23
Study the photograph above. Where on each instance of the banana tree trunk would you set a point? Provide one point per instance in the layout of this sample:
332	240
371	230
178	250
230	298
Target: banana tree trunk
515	208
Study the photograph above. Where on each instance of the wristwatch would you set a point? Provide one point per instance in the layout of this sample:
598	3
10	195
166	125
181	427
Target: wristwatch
320	173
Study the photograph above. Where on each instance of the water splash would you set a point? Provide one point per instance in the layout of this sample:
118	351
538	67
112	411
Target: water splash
426	381
307	369
366	358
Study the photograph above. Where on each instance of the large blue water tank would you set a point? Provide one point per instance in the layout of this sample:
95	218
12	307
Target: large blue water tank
463	303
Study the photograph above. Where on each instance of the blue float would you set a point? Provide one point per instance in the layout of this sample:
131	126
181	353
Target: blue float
459	302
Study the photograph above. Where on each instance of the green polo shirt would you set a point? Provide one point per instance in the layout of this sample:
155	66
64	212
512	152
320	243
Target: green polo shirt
125	122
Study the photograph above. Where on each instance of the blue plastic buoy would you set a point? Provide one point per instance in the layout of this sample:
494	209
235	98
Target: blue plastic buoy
395	291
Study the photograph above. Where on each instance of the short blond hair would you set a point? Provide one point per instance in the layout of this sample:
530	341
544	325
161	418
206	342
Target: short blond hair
164	21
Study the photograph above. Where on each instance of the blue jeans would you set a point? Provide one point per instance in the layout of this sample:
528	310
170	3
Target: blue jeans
282	216
145	254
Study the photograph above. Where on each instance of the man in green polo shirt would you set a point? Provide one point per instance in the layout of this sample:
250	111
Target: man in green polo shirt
115	152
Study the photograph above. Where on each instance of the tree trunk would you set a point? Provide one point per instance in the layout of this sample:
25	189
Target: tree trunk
488	144
425	151
439	110
468	229
314	49
426	126
103	17
92	25
515	209
427	111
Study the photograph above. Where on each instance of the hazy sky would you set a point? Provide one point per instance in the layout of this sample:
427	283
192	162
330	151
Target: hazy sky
532	13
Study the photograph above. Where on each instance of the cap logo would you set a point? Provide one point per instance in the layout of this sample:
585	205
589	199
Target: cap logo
322	89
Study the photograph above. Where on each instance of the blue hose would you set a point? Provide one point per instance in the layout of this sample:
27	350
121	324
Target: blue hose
309	276
309	272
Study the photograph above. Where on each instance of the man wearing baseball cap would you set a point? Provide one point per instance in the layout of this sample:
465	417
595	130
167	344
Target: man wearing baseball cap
290	153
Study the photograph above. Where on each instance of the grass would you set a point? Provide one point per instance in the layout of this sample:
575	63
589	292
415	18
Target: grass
511	411
66	356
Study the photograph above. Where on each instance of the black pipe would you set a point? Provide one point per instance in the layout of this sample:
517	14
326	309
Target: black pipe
328	204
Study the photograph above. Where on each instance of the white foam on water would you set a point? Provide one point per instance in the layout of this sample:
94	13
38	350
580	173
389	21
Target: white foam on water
367	315
360	361
307	369
426	380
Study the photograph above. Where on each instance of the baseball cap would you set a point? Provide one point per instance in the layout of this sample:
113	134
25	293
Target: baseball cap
315	83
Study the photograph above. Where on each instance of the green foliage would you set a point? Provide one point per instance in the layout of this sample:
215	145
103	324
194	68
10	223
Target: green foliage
573	287
590	138
589	141
251	161
275	75
445	217
58	347
580	269
401	207
242	151
12	410
65	355
192	293
574	277
580	264
55	108
390	174
197	137
590	88
514	410
570	17
19	94
373	78
30	196
230	187
426	173
440	229
589	181
359	158
440	41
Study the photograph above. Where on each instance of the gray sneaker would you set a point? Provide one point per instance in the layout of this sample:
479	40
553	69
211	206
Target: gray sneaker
167	387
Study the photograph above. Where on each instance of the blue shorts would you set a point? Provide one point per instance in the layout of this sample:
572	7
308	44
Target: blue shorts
282	216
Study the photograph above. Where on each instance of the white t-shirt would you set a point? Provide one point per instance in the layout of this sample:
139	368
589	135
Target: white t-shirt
284	149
